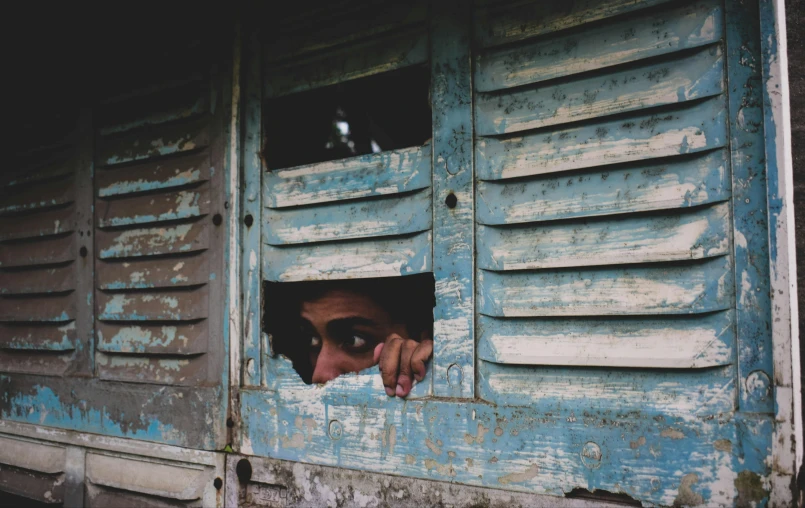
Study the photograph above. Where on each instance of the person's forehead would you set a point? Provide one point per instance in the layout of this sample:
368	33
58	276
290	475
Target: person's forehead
341	303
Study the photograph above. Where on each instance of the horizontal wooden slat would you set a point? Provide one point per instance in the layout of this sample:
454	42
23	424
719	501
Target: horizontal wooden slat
660	289
387	216
48	222
692	235
688	129
390	172
38	337
173	339
613	391
185	482
44	251
32	455
43	131
385	257
52	308
500	26
679	343
182	238
152	273
629	39
180	371
185	305
657	83
382	54
149	208
168	104
46	363
35	197
41	168
343	26
163	174
172	138
677	182
54	279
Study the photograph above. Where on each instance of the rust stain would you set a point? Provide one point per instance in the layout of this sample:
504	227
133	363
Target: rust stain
526	475
637	444
672	433
685	495
724	445
433	447
479	437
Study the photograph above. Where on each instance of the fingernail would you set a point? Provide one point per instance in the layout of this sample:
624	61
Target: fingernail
400	391
390	391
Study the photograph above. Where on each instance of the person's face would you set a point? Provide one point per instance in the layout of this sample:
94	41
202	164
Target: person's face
343	328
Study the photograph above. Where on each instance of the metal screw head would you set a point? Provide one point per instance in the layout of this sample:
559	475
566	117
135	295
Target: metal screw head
758	385
591	455
335	430
454	375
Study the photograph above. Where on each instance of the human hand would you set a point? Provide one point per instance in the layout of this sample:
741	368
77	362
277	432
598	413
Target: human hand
401	361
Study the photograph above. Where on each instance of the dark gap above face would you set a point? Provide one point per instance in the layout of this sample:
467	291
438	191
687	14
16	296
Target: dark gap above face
368	115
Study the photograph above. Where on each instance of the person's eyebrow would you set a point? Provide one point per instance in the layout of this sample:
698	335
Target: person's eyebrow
342	324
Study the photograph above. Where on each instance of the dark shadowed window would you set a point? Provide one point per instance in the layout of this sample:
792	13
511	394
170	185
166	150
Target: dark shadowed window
358	117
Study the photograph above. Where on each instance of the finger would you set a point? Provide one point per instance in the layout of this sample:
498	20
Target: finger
376	354
390	363
420	357
404	379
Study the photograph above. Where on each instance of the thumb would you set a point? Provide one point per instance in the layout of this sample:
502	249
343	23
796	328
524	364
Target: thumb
378	350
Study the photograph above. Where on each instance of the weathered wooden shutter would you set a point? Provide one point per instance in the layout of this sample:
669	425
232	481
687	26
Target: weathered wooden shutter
604	236
158	203
367	216
45	325
606	243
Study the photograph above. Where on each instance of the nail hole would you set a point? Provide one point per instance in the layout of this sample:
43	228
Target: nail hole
218	483
244	470
83	252
451	200
248	220
230	422
217	219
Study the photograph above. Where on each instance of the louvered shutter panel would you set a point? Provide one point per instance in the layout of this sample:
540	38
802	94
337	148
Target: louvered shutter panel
604	263
365	216
159	170
44	273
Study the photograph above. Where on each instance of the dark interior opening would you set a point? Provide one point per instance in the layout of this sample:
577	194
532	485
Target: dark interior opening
409	300
368	115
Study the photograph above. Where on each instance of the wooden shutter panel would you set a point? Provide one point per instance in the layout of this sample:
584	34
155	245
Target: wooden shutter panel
158	165
605	270
44	325
365	216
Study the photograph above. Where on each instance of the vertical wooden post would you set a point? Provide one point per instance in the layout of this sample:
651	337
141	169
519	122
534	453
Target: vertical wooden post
252	210
453	196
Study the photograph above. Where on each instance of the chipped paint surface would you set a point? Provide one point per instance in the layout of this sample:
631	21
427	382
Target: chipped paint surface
628	317
453	228
787	441
625	339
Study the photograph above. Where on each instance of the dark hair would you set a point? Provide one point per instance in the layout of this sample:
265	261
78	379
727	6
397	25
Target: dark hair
408	300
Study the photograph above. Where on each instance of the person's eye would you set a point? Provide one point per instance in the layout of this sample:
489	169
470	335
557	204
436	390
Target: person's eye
357	343
315	342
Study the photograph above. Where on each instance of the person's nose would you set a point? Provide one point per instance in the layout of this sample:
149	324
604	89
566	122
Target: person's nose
328	364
